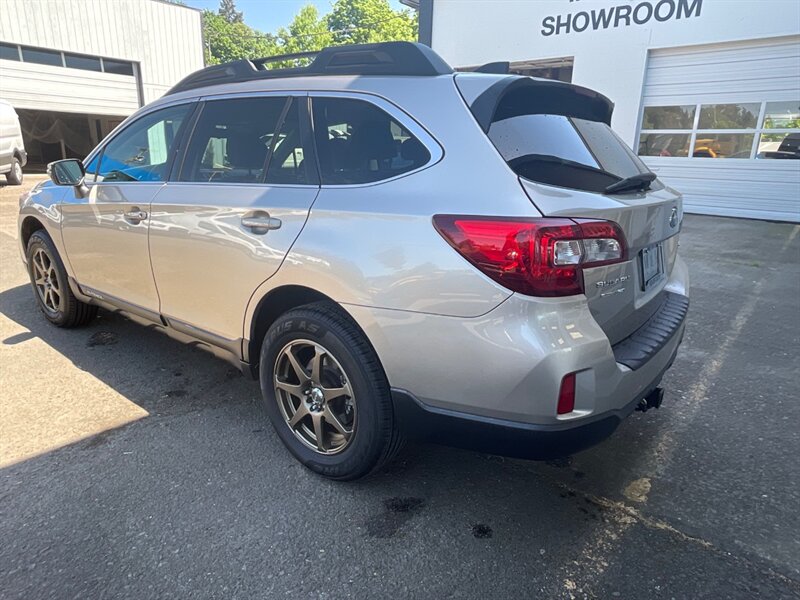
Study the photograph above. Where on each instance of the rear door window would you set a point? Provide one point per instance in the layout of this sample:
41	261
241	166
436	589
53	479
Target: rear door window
358	142
288	164
232	140
564	151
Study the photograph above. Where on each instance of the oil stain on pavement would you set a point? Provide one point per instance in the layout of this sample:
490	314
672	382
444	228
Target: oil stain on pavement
397	512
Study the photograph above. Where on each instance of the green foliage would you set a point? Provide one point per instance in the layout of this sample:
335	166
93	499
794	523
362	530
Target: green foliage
368	21
728	116
227	10
231	41
772	122
307	32
668	117
350	22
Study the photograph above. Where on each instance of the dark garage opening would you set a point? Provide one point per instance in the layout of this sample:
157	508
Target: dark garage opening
50	135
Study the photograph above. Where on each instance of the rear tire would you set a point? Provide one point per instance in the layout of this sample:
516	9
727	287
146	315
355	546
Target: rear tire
14	176
51	285
326	393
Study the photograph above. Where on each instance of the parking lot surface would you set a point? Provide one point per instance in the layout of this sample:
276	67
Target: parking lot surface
132	466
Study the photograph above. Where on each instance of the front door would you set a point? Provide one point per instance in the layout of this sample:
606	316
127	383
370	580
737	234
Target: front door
225	222
105	232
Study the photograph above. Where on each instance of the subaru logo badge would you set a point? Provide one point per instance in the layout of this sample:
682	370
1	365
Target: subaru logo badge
673	217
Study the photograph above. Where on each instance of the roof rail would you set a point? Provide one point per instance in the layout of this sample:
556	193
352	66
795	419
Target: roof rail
386	58
496	68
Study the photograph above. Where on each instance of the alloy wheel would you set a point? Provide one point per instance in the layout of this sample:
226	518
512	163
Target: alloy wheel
17	171
46	281
315	397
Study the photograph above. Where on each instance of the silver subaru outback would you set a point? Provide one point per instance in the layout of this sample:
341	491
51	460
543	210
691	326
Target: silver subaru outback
392	249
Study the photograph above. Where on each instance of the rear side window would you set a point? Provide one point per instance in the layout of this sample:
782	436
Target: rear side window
358	142
564	151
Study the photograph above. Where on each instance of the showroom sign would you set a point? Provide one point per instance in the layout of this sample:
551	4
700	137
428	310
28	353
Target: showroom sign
623	15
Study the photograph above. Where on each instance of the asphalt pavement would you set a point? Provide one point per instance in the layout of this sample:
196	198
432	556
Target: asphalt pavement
132	466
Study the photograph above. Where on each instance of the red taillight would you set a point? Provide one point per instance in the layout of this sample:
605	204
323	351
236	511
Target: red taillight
566	395
537	257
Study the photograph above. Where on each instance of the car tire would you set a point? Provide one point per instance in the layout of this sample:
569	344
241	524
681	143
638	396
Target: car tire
51	285
322	334
14	176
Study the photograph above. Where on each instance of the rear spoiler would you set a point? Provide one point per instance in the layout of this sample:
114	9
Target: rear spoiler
514	95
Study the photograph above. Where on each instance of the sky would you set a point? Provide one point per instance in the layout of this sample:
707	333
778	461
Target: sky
269	15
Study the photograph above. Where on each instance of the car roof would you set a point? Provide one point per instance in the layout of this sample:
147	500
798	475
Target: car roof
382	59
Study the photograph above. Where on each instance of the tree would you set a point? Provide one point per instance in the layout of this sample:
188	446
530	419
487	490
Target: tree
306	33
369	21
227	41
227	10
228	38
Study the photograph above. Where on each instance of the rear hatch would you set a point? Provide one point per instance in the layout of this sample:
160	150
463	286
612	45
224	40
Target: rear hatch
557	139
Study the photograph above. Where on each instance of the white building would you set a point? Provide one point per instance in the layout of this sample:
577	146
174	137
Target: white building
73	69
692	80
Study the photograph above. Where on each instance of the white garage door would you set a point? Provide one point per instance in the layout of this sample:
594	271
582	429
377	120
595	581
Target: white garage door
721	124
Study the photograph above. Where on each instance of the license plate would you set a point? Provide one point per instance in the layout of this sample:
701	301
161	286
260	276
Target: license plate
652	265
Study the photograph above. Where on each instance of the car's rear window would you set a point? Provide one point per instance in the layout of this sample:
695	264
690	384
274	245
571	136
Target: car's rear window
564	151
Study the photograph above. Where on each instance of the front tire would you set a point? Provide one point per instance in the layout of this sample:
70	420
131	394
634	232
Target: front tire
51	286
14	176
326	393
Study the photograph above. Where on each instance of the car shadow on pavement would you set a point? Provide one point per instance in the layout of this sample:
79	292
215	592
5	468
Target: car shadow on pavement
201	495
167	378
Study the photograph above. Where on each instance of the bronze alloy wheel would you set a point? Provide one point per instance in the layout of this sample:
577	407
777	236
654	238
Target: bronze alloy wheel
45	280
50	284
314	396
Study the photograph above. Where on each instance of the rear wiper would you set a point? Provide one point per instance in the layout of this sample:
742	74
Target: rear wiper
549	158
633	183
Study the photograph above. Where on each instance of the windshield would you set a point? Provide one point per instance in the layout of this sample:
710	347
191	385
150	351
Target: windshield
565	151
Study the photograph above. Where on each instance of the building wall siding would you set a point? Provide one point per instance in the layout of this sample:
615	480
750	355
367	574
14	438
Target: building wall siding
612	61
164	39
42	87
754	71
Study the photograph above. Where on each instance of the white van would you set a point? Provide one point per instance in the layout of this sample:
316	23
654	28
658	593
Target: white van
12	149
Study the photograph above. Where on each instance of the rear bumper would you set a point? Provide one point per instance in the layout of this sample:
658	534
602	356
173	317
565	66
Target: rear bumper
505	367
647	341
504	437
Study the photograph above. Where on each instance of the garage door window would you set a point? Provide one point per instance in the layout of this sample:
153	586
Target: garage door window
780	135
747	130
676	122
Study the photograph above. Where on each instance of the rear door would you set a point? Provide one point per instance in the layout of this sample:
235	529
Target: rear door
565	163
225	222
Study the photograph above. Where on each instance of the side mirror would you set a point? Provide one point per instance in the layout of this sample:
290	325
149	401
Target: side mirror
67	172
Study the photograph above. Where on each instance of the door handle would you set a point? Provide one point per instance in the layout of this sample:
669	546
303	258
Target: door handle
135	215
261	225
